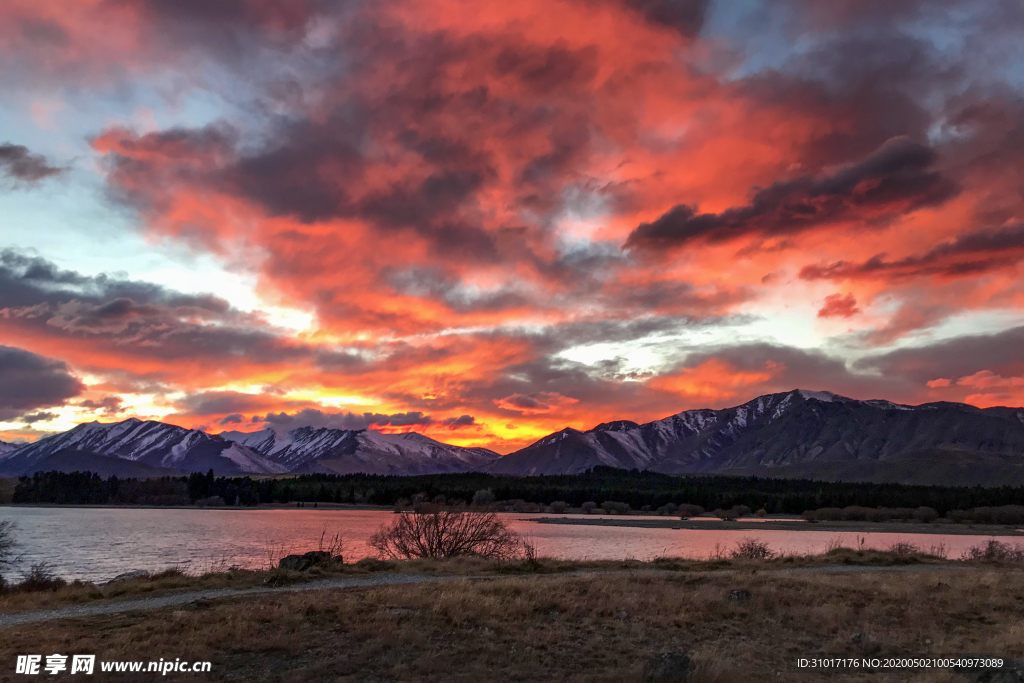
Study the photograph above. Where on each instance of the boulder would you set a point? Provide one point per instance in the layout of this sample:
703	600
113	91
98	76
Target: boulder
300	563
667	667
128	576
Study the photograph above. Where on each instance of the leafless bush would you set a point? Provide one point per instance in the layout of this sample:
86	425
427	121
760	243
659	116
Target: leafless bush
726	515
40	577
558	507
447	533
994	551
904	549
718	553
335	545
588	507
752	549
7	543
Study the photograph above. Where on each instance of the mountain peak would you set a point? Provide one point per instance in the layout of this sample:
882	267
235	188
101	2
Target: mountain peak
823	396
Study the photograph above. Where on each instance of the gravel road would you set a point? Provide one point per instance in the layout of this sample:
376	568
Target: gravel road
187	597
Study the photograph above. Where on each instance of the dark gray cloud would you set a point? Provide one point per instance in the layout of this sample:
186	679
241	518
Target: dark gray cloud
1002	353
233	418
109	405
29	382
18	163
313	417
221	402
970	254
460	422
685	16
142	319
897	177
41	416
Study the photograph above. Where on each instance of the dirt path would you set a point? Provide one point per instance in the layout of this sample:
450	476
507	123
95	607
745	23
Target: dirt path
188	597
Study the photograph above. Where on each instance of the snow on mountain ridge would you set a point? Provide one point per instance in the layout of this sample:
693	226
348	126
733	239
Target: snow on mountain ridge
310	448
145	441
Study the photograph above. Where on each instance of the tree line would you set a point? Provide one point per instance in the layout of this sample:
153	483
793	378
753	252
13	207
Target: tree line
635	488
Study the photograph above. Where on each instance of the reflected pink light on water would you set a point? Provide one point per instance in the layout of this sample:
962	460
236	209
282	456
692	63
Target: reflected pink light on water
99	543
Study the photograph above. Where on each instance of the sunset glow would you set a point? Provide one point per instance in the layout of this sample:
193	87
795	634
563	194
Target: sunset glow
486	221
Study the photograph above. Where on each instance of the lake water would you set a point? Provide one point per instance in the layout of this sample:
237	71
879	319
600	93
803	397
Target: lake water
98	543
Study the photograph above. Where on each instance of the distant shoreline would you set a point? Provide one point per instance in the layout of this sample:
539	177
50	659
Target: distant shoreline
268	506
853	527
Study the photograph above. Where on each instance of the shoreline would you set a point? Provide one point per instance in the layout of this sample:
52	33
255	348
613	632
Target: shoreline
938	529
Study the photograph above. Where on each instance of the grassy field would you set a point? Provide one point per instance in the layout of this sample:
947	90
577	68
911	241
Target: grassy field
547	625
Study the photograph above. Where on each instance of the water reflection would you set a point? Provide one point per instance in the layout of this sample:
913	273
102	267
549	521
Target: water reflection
98	543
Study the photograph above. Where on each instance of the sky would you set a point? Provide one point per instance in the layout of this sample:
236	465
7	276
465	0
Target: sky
486	221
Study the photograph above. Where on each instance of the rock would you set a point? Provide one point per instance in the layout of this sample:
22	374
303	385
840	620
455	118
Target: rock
858	638
668	667
128	576
739	595
300	563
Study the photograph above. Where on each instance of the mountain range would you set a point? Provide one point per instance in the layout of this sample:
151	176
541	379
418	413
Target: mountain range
804	434
137	448
800	433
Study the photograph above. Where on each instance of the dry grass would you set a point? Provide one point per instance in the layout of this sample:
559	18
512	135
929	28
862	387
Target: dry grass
568	628
174	580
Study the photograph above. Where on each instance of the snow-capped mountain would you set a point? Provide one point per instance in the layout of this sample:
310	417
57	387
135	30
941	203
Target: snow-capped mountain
344	451
152	444
9	447
815	434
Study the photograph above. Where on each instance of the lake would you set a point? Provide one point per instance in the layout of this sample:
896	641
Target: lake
96	544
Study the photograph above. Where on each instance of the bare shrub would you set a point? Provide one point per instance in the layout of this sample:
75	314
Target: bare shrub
834	545
904	549
761	513
588	507
335	545
718	553
558	507
994	551
447	533
752	549
7	543
210	502
40	577
726	515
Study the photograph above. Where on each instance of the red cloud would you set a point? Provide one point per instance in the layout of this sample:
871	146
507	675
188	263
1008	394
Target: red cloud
839	306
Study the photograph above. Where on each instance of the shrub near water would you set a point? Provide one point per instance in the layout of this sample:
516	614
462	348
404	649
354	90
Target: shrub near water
445	533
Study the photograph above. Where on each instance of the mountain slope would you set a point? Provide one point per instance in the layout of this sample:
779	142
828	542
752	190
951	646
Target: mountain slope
345	451
71	460
799	434
155	444
9	447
